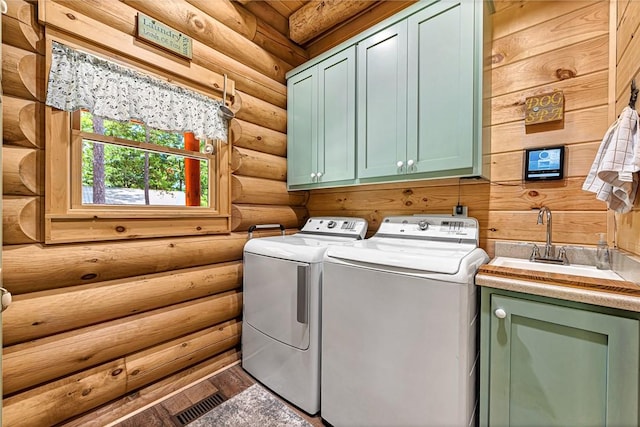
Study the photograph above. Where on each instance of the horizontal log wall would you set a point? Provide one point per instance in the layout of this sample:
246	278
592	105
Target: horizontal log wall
537	47
100	329
628	67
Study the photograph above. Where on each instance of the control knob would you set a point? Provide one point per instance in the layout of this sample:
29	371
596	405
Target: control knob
331	224
423	225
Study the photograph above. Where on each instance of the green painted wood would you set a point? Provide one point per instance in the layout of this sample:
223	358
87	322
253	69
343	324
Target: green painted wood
551	365
337	117
440	87
302	127
419	88
382	102
321	122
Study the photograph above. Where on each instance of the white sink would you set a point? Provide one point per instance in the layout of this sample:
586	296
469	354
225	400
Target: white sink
572	269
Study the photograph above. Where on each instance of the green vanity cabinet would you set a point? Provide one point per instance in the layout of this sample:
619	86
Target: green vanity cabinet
416	103
321	121
548	362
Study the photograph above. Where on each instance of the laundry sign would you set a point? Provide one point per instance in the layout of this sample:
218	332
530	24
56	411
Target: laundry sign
159	34
548	107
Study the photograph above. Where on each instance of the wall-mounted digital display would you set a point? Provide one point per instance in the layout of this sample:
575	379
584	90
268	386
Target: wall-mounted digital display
544	163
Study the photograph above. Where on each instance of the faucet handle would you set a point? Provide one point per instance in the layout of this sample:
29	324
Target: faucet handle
562	255
535	252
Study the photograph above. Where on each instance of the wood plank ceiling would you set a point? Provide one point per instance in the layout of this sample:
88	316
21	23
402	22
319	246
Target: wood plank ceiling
318	25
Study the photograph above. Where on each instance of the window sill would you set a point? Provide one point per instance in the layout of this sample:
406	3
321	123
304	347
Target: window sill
66	229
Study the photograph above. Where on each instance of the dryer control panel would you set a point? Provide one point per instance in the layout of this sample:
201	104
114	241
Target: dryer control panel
336	226
431	227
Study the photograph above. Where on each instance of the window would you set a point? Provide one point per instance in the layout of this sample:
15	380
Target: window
131	164
111	178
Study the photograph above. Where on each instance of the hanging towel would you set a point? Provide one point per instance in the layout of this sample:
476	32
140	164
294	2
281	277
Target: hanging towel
613	175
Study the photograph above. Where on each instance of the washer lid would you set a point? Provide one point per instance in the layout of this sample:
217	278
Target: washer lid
435	257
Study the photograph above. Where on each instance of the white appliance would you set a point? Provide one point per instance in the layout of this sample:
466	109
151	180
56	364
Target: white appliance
281	314
399	324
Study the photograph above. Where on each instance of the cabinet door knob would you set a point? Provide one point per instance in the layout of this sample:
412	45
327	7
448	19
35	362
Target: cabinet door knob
400	163
500	313
410	163
313	175
319	174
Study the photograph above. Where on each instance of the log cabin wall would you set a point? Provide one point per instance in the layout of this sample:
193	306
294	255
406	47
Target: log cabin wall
97	330
537	47
627	67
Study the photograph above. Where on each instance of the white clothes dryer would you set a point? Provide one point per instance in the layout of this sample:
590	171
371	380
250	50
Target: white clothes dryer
399	325
281	313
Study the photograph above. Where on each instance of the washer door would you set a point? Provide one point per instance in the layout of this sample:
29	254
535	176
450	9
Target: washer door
276	298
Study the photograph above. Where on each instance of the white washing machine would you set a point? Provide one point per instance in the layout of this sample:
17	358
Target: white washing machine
399	322
281	313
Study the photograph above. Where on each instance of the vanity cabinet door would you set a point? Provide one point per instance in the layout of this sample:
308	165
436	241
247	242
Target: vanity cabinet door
550	365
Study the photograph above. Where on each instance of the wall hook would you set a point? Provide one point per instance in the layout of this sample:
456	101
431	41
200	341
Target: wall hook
634	94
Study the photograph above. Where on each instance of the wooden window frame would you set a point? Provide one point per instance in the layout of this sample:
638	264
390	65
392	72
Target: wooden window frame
66	221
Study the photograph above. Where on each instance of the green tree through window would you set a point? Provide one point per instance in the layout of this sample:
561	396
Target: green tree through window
114	173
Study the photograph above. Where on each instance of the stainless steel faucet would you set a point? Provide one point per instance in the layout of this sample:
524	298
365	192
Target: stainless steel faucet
549	251
548	248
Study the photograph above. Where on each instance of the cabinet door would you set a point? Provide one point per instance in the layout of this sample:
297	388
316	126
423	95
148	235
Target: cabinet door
382	102
337	116
302	127
558	366
440	87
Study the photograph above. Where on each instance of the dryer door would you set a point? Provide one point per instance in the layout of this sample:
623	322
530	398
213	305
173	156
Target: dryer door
276	298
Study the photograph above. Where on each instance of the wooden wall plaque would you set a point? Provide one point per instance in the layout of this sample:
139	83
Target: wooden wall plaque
152	31
548	107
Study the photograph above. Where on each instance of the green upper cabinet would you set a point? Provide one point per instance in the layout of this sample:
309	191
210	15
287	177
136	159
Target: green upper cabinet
416	95
382	102
547	364
321	121
440	133
302	127
400	101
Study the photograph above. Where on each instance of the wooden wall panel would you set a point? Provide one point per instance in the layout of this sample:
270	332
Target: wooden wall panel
40	314
581	92
132	401
573	27
62	354
105	327
627	234
518	15
537	47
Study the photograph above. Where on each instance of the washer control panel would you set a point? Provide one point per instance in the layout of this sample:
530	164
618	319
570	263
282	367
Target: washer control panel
344	226
431	227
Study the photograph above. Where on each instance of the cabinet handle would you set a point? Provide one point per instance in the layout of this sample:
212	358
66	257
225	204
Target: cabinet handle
319	174
500	313
313	176
400	163
410	163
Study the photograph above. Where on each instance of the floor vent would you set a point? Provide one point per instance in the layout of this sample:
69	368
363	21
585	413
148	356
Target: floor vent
199	409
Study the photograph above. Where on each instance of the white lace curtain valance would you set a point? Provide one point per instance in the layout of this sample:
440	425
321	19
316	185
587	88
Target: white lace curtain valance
80	80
